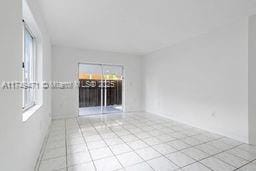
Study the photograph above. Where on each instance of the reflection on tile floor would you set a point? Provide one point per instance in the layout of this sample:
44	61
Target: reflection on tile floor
138	142
86	111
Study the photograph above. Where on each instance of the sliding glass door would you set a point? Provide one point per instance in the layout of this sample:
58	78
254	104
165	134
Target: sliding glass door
112	81
100	89
90	91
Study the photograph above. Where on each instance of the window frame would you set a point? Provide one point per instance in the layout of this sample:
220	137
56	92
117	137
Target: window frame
28	106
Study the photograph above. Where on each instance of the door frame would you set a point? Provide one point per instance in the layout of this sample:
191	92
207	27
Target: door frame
123	85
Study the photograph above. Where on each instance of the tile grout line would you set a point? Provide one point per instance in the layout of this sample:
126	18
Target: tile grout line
159	144
66	145
131	149
86	143
246	164
194	146
213	155
191	146
151	147
148	145
109	147
42	152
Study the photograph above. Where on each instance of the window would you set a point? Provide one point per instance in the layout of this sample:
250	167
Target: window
28	67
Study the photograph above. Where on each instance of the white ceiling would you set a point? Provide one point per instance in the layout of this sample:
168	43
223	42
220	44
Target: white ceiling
136	26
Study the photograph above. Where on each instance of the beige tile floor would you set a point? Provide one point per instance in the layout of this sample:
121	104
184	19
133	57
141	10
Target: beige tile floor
140	142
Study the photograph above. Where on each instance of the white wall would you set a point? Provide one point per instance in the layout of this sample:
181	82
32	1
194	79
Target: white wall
203	81
252	79
65	68
20	141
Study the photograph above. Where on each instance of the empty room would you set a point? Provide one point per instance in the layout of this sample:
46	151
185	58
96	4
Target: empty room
128	85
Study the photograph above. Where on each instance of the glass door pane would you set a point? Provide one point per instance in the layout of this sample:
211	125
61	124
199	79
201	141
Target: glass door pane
112	88
90	90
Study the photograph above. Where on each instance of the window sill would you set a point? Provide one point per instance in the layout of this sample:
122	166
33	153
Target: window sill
28	113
